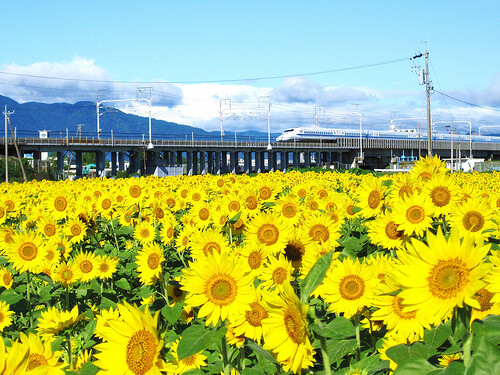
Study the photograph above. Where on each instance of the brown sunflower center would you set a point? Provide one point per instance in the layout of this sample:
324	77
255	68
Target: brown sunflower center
440	196
319	232
252	202
447	278
140	352
234	206
397	307
28	251
86	266
104	267
76	229
351	287
67	274
484	297
221	289
294	325
204	214
153	261
60	203
405	191
374	199
35	360
170	232
301	193
473	221
265	193
177	291
170	202
289	210
106	204
415	214
135	191
196	197
210	247
279	275
144	233
7	278
49	230
294	251
268	234
392	232
255	259
256	314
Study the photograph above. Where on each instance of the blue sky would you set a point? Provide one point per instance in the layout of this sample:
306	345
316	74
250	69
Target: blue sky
194	53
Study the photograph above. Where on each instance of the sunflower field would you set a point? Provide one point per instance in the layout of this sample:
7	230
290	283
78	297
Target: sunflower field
281	273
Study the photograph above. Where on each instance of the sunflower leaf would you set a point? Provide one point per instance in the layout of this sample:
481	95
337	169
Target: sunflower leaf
123	284
198	338
315	276
339	328
257	349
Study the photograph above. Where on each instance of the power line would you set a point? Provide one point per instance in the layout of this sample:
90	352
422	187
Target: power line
216	81
466	102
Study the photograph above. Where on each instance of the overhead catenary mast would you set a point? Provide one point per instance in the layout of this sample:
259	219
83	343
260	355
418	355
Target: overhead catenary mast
425	80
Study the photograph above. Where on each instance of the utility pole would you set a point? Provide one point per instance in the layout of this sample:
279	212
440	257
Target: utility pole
428	91
425	80
6	114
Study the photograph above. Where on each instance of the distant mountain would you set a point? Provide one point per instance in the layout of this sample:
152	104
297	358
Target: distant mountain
59	118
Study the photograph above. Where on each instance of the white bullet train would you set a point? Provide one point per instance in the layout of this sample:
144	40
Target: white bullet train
320	134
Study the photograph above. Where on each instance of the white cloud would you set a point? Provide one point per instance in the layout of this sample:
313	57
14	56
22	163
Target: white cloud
294	100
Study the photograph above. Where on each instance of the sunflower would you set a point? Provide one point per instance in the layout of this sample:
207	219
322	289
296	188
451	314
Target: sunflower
253	256
26	251
195	361
413	214
183	239
443	192
285	330
48	227
105	205
134	191
349	287
87	263
132	343
106	266
59	203
103	317
428	166
403	185
144	232
410	324
276	273
218	284
445	359
385	232
6	279
54	320
486	306
289	207
167	231
248	322
66	273
5	315
204	242
201	213
322	229
149	261
41	354
371	196
268	229
75	230
473	218
443	274
251	202
296	246
175	292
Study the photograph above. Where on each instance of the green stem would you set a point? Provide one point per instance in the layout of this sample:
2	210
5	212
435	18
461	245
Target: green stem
70	359
227	366
467	348
326	359
67	298
114	234
28	286
358	337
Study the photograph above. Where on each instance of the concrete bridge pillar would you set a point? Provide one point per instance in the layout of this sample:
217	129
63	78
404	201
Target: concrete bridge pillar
307	159
100	163
113	164
189	161
203	168
195	162
247	161
60	161
223	162
218	168
78	163
121	161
